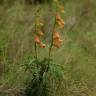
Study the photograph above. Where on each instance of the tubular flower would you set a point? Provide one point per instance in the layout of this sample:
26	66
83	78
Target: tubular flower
42	45
40	33
60	21
56	35
57	43
58	18
61	24
37	39
57	39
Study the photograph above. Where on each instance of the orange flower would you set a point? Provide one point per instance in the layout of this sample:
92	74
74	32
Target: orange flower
58	18
42	45
57	44
40	33
60	40
57	39
60	21
61	24
56	35
37	39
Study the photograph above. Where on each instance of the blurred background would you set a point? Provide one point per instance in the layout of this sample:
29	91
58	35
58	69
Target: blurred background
77	55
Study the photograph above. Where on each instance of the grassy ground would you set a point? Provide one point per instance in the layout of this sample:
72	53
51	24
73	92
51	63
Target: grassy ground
78	54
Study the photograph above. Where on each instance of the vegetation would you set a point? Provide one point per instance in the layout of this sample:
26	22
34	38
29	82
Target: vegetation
71	68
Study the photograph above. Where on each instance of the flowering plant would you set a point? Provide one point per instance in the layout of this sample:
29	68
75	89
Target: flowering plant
42	68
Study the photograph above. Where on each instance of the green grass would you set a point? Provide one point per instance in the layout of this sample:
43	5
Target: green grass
77	55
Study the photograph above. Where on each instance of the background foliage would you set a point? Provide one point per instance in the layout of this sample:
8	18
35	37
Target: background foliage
77	56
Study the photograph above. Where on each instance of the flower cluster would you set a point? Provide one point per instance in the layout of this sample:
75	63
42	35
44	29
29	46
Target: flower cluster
59	22
39	34
57	40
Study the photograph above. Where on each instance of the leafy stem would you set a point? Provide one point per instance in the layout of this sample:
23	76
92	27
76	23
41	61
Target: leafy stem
51	45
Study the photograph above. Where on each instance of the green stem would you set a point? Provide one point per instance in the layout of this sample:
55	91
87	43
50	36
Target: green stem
35	45
36	54
51	46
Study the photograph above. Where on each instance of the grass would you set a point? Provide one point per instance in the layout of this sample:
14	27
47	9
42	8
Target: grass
77	55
